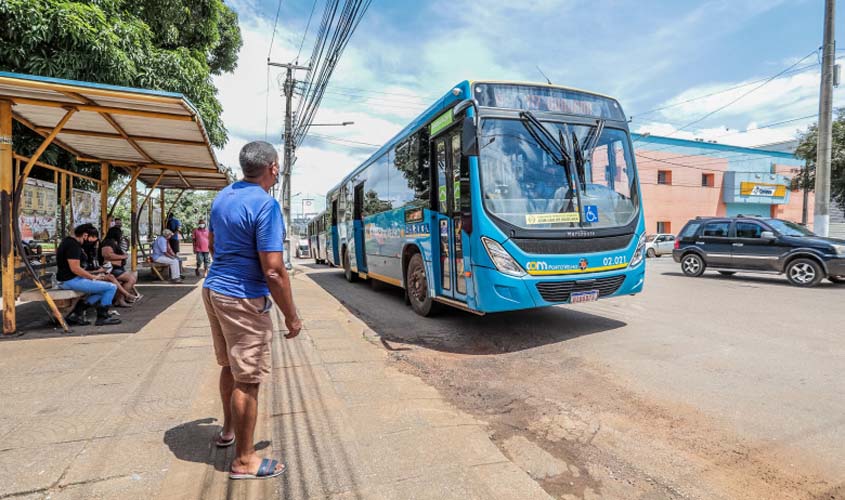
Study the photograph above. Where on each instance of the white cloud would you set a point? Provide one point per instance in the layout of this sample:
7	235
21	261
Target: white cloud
783	98
748	136
249	109
752	120
387	76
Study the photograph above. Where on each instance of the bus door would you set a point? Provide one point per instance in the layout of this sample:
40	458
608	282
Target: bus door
447	247
359	259
333	235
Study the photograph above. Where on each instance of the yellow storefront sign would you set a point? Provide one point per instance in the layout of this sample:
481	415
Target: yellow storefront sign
552	218
760	189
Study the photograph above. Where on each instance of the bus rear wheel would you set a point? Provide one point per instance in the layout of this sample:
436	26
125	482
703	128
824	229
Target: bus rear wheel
417	288
347	268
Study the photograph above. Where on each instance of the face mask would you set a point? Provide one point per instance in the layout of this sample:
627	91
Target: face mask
202	226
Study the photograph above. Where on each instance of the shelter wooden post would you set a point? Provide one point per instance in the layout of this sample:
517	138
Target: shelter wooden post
161	207
175	201
71	219
56	228
7	256
104	198
63	204
134	177
150	227
133	223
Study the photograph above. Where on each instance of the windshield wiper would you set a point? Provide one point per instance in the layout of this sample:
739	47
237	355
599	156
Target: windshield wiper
559	153
581	154
557	149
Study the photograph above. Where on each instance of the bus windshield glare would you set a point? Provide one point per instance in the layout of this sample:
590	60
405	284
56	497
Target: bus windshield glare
524	184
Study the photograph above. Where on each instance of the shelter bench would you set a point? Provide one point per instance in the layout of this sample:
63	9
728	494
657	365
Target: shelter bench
65	299
157	269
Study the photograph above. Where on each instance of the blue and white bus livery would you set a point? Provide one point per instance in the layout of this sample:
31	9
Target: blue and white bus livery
501	196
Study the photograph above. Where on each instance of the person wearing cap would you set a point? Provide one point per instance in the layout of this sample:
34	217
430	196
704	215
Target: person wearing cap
163	254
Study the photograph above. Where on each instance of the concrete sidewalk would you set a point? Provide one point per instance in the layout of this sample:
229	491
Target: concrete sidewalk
133	416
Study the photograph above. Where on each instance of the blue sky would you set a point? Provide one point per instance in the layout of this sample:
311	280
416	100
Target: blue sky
648	54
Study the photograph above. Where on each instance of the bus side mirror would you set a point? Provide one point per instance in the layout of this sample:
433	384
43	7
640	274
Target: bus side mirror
469	137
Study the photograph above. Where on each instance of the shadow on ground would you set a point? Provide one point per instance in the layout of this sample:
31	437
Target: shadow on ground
763	279
35	321
194	442
455	331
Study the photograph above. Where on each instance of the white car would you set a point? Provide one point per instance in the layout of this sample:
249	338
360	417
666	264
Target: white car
659	244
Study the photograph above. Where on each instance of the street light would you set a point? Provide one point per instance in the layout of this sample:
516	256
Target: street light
342	124
289	151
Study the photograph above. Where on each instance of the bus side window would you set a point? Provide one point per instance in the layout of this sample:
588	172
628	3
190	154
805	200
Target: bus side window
420	149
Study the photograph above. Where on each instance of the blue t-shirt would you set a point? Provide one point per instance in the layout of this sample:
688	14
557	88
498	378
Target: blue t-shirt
244	220
174	225
160	247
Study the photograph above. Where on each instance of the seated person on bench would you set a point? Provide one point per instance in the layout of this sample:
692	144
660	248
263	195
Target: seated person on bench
91	263
112	252
71	276
163	254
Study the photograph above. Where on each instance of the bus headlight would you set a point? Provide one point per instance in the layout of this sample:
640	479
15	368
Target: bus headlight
501	258
639	253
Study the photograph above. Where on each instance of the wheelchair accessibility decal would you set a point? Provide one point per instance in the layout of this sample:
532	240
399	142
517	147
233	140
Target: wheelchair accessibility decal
591	213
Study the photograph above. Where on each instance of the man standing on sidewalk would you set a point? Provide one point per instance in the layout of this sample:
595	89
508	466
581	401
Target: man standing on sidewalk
200	239
246	235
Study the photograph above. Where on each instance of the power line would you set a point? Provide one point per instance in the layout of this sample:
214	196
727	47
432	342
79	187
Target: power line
358	89
275	23
735	87
704	165
267	105
761	127
332	38
331	138
734	101
307	26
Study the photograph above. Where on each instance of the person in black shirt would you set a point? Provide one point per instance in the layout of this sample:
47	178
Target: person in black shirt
72	276
91	261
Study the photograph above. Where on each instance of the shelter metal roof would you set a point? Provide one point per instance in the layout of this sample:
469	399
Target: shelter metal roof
157	131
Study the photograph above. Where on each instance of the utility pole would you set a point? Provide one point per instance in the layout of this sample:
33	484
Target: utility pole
288	151
805	183
821	214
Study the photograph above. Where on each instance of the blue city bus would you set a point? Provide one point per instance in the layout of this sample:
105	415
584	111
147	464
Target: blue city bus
501	196
317	236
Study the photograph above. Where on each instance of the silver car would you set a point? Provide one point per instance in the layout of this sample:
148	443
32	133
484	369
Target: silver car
659	244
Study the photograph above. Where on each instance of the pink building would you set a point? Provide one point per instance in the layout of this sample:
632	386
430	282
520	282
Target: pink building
682	179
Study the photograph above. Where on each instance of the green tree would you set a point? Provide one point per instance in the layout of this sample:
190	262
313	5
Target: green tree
807	149
173	45
192	206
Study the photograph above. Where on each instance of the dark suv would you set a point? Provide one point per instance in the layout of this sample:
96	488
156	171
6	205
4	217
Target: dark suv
759	245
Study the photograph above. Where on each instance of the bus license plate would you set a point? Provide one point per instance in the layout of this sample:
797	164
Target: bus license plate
581	297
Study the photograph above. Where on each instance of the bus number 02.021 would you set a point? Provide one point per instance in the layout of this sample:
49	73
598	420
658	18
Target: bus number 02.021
613	261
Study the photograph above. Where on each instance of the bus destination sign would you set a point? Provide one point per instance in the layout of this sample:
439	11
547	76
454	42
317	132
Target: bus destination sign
549	99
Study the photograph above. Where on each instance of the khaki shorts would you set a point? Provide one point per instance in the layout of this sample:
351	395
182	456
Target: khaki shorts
242	331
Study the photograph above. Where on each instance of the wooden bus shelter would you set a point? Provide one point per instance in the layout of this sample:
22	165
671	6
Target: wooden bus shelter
155	137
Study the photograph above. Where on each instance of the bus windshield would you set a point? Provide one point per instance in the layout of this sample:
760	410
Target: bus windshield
523	184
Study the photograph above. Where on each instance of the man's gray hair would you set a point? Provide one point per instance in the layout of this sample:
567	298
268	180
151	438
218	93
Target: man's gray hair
256	156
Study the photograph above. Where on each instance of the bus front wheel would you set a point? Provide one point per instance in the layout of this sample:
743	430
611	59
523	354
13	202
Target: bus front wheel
347	268
417	291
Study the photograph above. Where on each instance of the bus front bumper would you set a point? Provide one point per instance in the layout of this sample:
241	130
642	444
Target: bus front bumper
497	292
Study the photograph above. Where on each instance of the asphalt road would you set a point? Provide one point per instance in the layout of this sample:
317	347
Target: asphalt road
711	387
